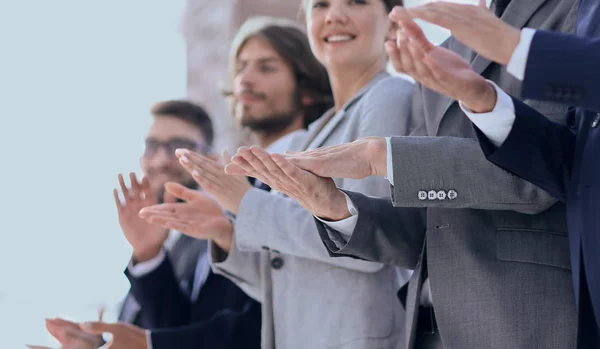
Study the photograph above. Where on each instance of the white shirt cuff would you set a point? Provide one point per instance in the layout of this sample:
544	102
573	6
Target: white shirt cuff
148	339
389	164
518	61
346	226
495	125
145	268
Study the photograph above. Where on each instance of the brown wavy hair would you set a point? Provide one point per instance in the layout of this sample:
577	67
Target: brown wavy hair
289	40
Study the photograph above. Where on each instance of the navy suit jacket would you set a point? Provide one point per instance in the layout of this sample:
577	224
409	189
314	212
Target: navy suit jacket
223	316
562	159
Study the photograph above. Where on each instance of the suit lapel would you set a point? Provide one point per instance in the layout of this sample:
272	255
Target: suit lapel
331	125
327	130
517	14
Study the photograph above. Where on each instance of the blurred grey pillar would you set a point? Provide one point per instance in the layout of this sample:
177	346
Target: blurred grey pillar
208	28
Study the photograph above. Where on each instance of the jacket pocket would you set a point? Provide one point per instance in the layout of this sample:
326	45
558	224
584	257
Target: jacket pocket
533	246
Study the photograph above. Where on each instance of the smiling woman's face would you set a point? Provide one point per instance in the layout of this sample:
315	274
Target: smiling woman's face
348	34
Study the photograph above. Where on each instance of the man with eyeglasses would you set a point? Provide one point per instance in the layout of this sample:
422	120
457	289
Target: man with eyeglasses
175	301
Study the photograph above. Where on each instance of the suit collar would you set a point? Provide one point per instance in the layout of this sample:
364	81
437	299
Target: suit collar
323	131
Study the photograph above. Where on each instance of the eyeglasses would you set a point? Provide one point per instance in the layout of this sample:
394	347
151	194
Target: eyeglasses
153	145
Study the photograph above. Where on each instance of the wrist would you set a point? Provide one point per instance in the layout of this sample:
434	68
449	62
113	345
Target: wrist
225	240
485	101
511	41
338	208
376	153
145	254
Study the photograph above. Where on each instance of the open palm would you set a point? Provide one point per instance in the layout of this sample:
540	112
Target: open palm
140	234
199	216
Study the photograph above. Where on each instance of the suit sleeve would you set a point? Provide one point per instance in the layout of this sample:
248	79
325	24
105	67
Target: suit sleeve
281	224
227	329
536	149
163	303
441	164
563	68
244	268
383	233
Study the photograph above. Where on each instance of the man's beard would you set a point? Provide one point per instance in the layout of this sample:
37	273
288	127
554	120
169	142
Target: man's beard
276	122
190	183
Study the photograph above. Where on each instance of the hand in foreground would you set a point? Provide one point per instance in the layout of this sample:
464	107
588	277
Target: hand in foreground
318	195
210	175
475	26
124	336
70	336
146	239
438	68
359	159
199	216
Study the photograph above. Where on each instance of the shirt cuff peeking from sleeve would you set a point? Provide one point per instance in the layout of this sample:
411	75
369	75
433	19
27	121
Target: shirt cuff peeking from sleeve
518	61
389	163
148	339
497	124
346	226
145	268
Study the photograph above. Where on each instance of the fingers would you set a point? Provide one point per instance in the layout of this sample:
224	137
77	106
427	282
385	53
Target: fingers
37	347
146	190
394	55
124	189
432	13
272	170
240	163
117	200
181	192
170	222
235	170
209	180
135	186
292	172
99	327
482	4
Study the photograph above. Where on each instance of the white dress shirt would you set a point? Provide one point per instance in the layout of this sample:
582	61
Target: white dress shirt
496	125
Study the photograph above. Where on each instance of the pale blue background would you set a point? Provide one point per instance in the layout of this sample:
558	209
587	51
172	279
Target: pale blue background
76	81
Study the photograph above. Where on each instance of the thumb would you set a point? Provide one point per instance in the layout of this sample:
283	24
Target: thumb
99	327
178	191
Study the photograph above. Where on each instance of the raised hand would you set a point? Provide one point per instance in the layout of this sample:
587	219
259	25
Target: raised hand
436	67
145	238
124	336
318	195
475	26
210	175
199	216
70	335
359	159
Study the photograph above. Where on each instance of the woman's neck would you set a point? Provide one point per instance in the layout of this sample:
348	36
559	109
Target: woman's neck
345	83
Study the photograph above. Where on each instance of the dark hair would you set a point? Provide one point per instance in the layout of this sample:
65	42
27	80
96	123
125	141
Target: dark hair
389	5
289	40
189	112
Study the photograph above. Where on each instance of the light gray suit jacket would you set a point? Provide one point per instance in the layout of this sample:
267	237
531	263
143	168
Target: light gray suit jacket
310	300
497	253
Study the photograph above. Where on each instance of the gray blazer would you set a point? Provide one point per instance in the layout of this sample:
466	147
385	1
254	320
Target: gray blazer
497	251
310	300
